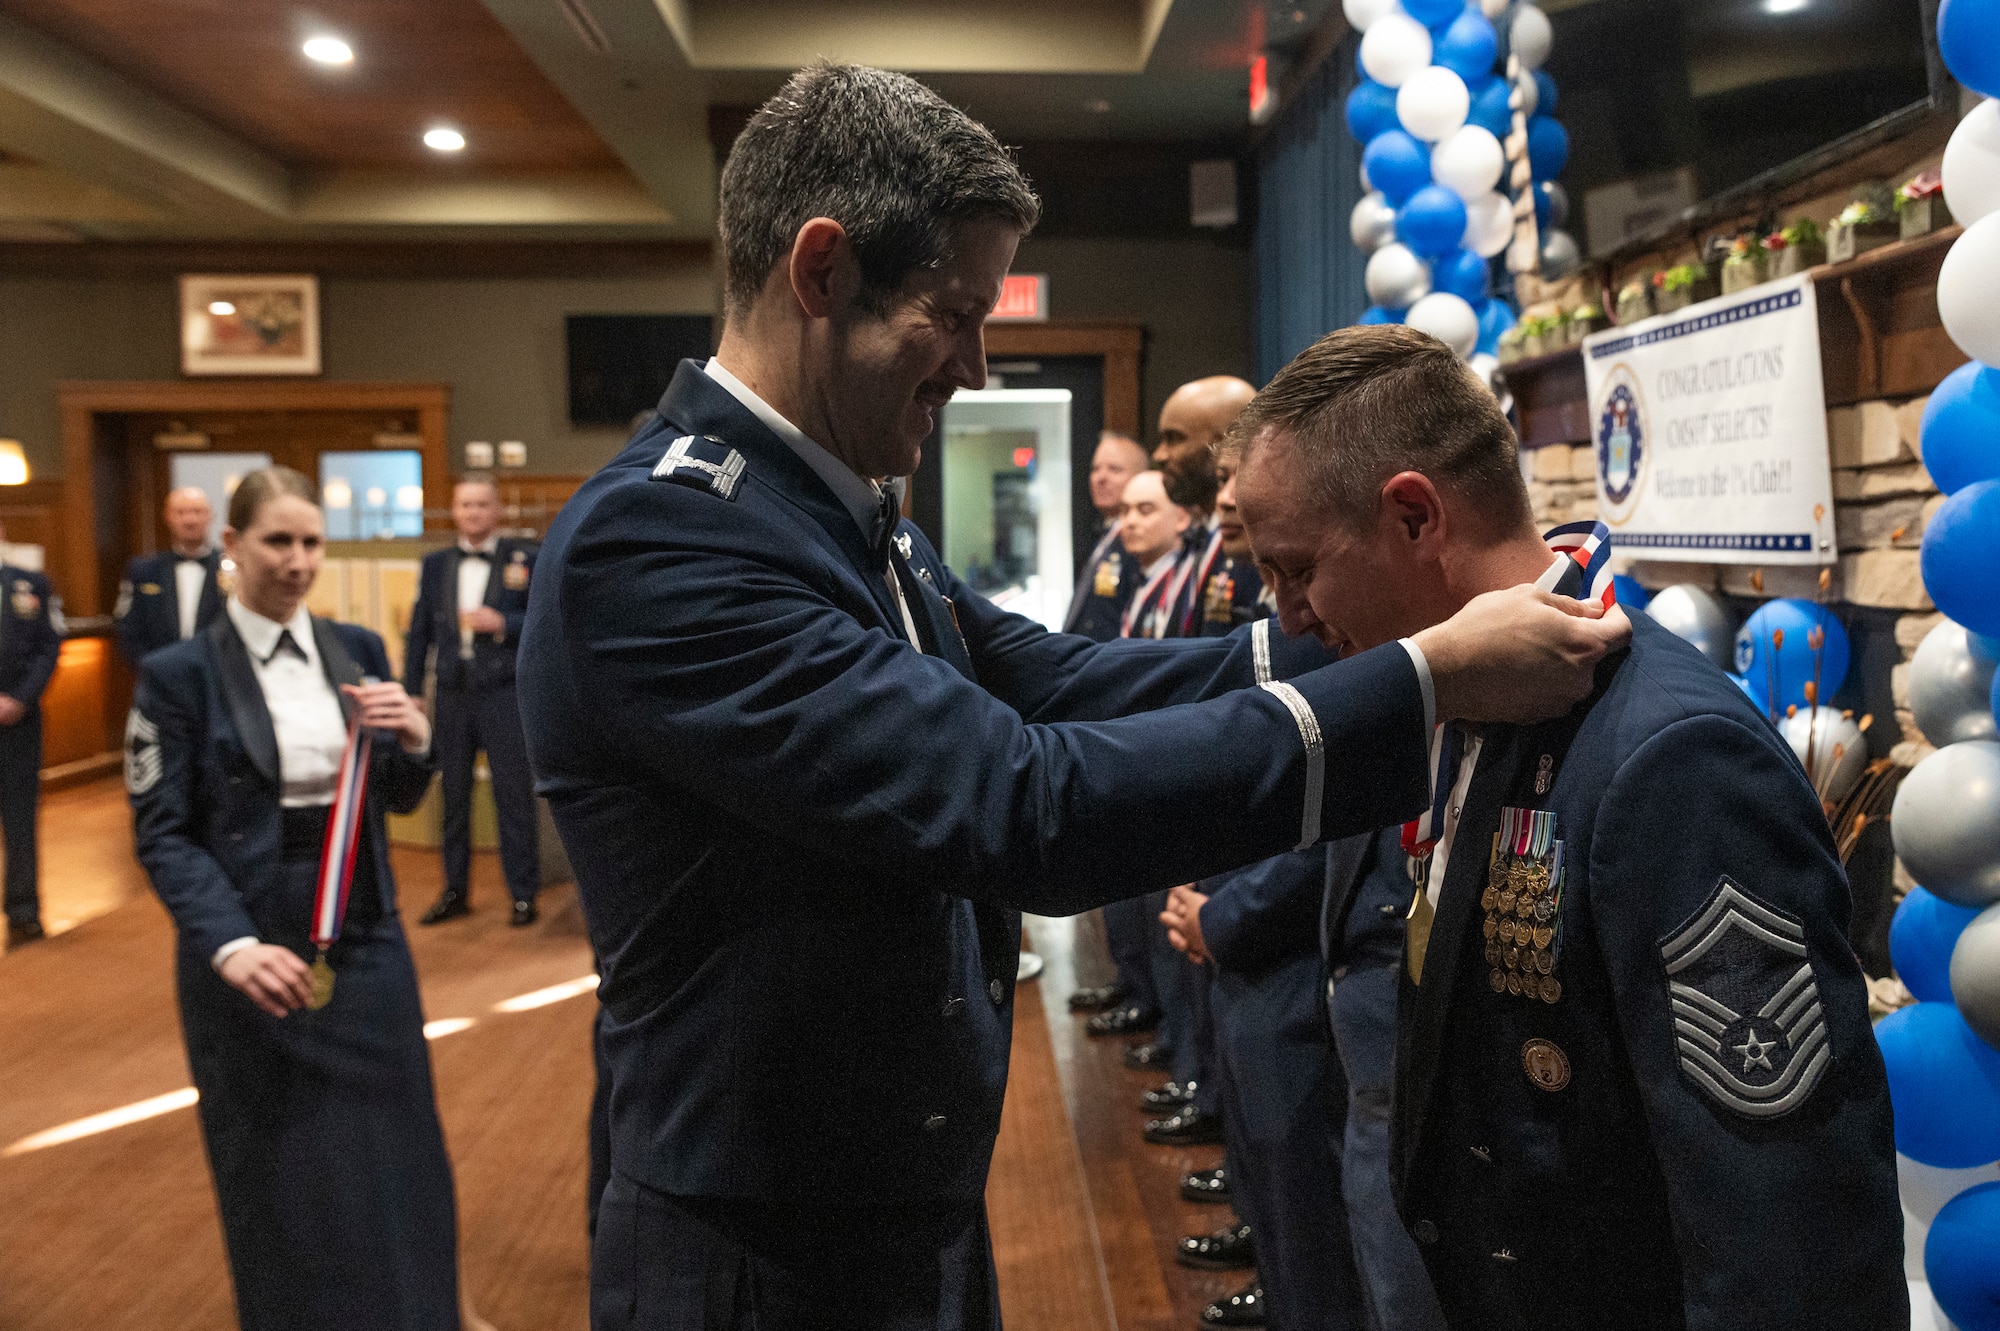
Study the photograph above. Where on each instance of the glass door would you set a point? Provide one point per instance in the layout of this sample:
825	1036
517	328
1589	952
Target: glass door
1006	484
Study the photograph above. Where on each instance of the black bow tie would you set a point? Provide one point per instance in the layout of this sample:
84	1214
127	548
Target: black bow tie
286	643
888	512
474	554
190	559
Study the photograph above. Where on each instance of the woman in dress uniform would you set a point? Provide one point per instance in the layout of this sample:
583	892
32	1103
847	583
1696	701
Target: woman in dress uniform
321	1123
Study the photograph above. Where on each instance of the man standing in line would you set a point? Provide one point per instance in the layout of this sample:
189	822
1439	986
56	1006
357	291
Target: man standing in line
1107	581
471	599
778	734
174	593
1635	1081
30	641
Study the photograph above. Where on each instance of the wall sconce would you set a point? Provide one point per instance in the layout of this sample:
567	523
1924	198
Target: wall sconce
479	456
513	453
13	463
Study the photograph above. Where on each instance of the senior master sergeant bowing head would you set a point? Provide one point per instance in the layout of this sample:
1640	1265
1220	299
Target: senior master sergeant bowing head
807	777
1635	1081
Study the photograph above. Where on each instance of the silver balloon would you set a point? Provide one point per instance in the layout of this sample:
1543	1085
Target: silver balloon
1951	686
1395	277
1558	203
1975	975
1560	256
1690	612
1834	747
1372	224
1946	823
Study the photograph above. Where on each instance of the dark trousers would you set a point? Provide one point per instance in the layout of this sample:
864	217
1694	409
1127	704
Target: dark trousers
1125	937
666	1263
20	795
1398	1289
600	1126
469	720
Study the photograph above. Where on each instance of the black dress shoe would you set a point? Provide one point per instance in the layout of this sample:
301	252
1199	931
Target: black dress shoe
524	913
1152	1054
1132	1020
1097	999
1228	1249
450	906
24	931
1206	1185
1168	1099
1190	1127
1243	1308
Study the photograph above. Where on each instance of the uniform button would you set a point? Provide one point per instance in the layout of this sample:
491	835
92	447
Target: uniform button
953	1007
934	1123
1387	908
997	992
1425	1231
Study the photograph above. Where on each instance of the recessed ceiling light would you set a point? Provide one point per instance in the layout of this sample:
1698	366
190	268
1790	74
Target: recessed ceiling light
221	308
329	51
1097	106
444	140
1784	6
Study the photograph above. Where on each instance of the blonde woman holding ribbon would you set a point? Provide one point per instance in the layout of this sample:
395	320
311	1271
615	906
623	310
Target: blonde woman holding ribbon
261	755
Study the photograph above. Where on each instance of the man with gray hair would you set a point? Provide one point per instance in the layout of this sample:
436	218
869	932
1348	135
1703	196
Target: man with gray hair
173	593
808	778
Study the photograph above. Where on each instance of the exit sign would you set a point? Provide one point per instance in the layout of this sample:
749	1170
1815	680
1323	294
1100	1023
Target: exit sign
1023	297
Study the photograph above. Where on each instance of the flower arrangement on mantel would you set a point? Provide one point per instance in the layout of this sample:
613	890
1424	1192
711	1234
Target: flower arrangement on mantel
1744	268
1920	205
1865	224
1795	248
1682	285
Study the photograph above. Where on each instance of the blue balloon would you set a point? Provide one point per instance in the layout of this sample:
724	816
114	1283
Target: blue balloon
1467	48
1779	669
1962	1258
1545	93
1631	595
1399	165
1961	431
1489	108
1433	13
1944	1085
1379	314
1496	316
1960	554
1548	147
1969	41
1462	273
1432	222
1921	935
1371	108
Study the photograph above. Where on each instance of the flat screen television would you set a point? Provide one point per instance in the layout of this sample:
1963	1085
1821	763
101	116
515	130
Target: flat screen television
1685	102
620	364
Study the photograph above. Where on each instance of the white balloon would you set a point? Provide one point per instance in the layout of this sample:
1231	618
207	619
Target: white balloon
1485	365
1396	278
1367	186
1395	47
1833	744
1966	287
1361	14
1468	163
1432	103
1372	224
1531	36
1971	167
1489	224
1449	319
1531	91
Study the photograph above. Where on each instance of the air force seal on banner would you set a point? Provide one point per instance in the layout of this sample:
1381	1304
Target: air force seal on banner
1621	444
1747	1015
142	753
702	461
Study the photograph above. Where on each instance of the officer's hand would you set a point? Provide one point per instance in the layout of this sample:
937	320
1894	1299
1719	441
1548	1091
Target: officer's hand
1182	917
1519	655
272	977
12	709
388	706
485	619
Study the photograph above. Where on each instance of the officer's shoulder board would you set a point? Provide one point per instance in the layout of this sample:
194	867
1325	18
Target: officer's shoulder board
704	462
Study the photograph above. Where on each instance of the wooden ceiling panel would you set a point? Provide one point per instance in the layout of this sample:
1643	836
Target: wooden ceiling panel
418	63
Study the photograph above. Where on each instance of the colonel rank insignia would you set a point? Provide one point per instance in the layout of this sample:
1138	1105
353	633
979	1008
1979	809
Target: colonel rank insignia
703	462
1523	905
1747	1018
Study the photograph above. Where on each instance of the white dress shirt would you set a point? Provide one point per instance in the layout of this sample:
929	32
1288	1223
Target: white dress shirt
474	576
190	576
858	495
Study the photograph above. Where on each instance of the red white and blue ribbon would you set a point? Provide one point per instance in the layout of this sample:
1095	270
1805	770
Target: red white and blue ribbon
1193	601
1420	835
343	836
1589	544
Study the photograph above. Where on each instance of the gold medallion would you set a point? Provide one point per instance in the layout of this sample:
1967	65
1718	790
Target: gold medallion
1546	1065
1544	936
1525	907
322	983
1551	988
1499	982
1517	876
1490	927
1544	962
1507	900
1513	958
1493	953
1506	931
1513	984
1487	898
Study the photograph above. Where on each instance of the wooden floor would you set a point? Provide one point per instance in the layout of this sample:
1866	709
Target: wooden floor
117	1231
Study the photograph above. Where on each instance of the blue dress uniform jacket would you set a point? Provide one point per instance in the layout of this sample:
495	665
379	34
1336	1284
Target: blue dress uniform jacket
801	845
1106	589
434	619
1231	596
1696	1132
29	642
29	647
148	613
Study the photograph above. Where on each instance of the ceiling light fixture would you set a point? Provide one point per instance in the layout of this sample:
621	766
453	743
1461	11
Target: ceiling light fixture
1784	6
221	309
444	140
1098	106
328	51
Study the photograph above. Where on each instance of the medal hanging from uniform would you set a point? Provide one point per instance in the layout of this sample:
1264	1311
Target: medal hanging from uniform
1523	905
336	858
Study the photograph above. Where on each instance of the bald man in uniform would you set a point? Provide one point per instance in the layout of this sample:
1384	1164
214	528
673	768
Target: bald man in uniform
174	593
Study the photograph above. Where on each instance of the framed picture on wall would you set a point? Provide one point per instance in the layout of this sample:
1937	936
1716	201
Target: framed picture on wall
249	323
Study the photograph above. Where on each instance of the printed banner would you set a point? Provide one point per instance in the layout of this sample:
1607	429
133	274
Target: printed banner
1710	431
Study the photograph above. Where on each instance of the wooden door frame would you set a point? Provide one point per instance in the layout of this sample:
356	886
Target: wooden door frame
1120	344
81	402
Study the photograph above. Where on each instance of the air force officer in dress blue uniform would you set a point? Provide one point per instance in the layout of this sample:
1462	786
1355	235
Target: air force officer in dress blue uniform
30	643
1635	1084
808	778
321	1124
173	594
